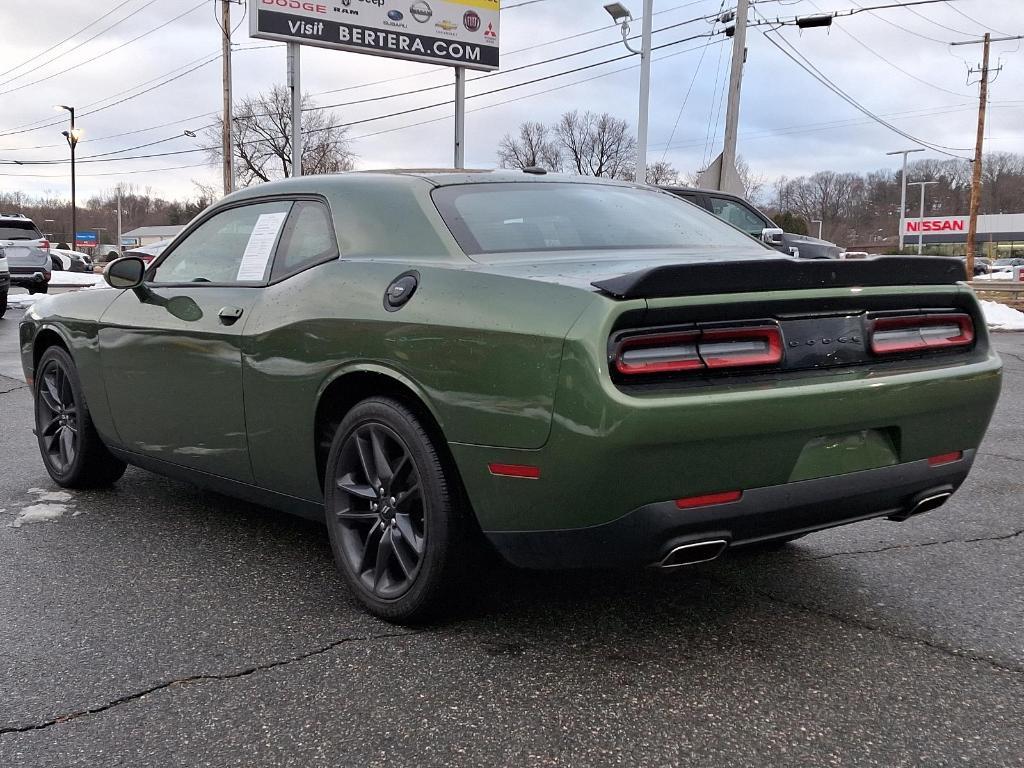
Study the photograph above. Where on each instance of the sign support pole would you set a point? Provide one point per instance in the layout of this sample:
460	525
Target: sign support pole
295	86
460	117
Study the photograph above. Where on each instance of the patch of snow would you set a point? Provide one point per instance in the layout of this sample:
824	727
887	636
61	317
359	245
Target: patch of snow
39	513
1002	317
74	279
22	300
59	496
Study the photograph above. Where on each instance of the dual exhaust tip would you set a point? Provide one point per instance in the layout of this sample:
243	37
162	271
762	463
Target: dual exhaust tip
711	549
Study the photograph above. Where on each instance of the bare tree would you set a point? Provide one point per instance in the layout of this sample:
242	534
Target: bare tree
596	145
533	147
662	173
753	183
262	139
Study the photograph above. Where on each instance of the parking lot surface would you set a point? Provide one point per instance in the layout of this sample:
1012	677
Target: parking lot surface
156	624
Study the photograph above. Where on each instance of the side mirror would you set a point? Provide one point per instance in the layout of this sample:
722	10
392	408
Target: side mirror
772	236
126	272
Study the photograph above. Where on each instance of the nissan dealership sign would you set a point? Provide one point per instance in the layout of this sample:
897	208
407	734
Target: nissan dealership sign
463	34
936	225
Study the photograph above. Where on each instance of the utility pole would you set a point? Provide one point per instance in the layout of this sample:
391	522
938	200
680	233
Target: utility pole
226	149
903	191
972	229
920	231
722	174
119	244
295	86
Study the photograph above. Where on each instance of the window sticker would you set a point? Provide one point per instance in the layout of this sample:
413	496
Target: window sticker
260	246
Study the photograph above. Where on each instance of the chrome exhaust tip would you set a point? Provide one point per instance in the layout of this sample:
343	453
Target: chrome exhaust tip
692	554
923	503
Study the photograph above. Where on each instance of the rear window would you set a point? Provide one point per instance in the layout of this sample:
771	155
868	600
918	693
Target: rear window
19	230
556	216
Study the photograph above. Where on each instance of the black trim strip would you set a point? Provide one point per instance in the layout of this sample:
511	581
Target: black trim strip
780	274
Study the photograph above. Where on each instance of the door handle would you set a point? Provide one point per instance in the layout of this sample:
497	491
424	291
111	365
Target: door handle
228	315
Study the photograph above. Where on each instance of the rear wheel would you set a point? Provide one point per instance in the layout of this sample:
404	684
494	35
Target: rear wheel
399	536
72	451
3	303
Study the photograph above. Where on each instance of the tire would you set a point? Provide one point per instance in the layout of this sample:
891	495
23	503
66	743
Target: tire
402	551
71	449
44	288
3	303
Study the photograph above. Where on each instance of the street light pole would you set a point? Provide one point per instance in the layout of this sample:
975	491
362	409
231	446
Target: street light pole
621	15
903	189
920	230
72	136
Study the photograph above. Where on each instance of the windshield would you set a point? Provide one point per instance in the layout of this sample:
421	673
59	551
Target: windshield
556	216
18	230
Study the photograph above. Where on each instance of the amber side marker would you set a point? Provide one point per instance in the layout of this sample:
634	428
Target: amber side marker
945	458
515	470
709	499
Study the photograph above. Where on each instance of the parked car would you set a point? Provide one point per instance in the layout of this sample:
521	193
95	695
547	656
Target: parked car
5	282
30	267
105	252
1008	263
18	229
742	215
149	252
70	261
579	371
982	266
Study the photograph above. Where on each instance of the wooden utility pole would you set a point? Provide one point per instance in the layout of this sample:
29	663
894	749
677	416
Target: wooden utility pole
226	149
972	227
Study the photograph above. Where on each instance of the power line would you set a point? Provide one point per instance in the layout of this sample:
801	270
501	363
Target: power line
808	67
57	45
106	53
975	21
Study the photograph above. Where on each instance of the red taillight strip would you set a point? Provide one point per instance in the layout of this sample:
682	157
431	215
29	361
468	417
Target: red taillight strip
710	350
709	499
945	458
772	355
515	470
655	341
962	338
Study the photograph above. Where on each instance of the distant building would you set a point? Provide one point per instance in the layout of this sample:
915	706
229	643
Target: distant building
150	235
999	235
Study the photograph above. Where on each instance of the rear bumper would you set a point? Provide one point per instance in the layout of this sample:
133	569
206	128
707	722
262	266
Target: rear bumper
29	276
647	534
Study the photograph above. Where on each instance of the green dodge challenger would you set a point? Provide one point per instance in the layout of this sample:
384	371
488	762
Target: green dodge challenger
573	371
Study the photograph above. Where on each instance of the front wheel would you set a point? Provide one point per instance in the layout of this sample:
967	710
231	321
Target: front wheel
398	532
72	451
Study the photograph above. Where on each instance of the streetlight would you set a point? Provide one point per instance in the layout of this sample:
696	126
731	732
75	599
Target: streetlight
621	15
72	135
903	192
920	229
818	222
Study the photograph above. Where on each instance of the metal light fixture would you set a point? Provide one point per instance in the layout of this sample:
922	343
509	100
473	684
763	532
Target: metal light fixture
72	135
618	12
621	15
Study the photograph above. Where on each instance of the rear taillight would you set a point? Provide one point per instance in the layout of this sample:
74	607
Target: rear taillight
698	350
45	245
915	333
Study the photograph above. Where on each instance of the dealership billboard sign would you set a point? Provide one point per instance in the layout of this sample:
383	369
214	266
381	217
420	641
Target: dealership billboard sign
458	34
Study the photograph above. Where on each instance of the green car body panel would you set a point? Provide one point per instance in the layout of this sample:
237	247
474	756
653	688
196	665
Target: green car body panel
510	358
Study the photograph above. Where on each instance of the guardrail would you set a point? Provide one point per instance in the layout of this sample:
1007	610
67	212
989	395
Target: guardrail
1007	292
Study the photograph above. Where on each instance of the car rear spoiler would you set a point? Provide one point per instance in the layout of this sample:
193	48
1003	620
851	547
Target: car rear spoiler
781	274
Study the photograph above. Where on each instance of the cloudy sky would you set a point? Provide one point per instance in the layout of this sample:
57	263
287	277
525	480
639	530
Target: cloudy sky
896	63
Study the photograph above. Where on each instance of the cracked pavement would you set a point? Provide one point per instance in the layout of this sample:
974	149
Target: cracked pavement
161	625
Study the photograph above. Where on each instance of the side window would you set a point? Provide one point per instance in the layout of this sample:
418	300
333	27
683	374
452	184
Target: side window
233	246
308	239
738	215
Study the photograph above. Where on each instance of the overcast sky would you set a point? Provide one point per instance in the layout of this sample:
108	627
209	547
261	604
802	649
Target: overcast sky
790	124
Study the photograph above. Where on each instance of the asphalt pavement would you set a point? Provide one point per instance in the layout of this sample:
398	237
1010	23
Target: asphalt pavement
156	624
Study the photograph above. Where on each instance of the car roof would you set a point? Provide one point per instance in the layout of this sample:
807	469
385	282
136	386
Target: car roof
437	177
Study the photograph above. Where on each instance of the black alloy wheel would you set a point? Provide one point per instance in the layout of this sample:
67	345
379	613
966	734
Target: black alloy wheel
57	417
380	510
400	534
73	452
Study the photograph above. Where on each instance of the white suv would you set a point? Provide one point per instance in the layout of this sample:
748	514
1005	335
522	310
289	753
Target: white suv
18	229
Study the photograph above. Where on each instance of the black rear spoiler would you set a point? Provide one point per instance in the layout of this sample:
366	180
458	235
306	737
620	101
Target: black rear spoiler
781	274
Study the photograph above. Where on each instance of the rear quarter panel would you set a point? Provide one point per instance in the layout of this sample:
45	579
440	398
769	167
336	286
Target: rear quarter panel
481	351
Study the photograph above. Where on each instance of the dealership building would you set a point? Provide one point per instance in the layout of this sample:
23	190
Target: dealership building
999	235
